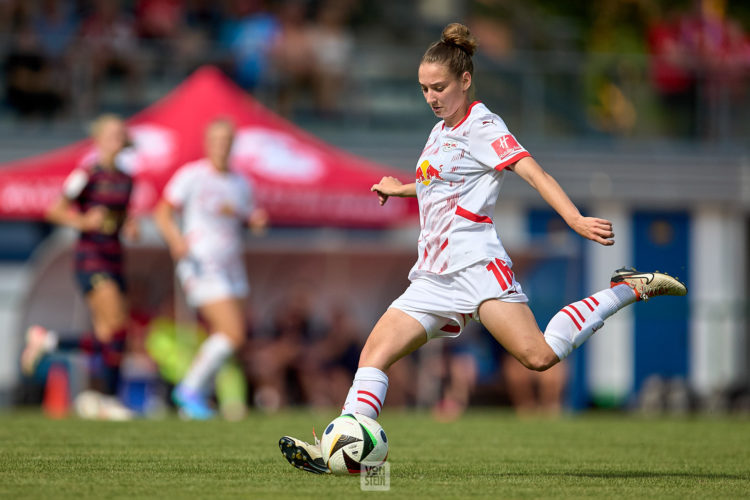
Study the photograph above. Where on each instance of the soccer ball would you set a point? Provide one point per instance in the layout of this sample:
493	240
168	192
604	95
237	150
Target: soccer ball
351	441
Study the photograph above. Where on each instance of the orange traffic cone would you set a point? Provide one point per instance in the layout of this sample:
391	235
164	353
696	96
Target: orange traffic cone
56	393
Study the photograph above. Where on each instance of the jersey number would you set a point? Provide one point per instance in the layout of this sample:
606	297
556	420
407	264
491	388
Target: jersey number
502	273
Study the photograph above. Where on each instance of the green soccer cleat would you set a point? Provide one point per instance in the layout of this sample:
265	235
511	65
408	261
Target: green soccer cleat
647	285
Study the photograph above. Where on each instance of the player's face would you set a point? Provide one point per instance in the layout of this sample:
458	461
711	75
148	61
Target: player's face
111	137
219	143
445	94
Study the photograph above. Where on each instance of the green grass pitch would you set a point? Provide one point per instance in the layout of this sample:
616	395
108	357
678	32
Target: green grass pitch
486	454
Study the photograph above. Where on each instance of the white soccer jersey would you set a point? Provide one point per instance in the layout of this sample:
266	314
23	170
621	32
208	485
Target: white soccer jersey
214	207
458	178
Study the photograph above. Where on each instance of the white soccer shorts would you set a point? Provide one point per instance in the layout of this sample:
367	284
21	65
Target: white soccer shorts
444	304
206	282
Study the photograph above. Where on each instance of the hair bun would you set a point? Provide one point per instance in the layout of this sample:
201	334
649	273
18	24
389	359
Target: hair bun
459	35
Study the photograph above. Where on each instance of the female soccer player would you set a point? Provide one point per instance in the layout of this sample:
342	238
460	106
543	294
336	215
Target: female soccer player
95	202
215	203
462	271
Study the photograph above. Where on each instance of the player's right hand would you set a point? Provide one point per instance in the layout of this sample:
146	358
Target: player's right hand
388	186
93	219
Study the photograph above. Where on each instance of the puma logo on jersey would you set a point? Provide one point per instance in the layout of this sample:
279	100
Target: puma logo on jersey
426	173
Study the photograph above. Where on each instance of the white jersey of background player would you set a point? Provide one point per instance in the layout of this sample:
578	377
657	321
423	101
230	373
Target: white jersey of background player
215	206
462	270
215	203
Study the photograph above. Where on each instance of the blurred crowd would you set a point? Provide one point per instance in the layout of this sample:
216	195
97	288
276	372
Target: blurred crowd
58	54
698	65
639	67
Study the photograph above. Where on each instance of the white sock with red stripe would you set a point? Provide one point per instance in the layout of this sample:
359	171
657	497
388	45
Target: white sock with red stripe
576	322
367	393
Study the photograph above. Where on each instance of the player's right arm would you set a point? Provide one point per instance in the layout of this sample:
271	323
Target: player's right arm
176	193
165	221
390	186
64	211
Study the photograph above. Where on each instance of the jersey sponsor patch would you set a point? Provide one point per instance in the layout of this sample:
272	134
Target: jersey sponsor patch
506	146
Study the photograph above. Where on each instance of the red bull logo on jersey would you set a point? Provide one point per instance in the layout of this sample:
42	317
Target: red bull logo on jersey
426	173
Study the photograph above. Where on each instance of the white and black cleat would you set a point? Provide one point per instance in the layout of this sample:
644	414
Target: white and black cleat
303	455
648	285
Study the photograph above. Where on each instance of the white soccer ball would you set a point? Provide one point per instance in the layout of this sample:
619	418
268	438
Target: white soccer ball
351	441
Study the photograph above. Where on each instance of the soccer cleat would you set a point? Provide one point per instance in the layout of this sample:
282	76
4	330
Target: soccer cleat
37	345
647	285
192	405
303	455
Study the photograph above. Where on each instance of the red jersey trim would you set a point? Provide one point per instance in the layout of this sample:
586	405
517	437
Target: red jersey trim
462	212
468	112
510	161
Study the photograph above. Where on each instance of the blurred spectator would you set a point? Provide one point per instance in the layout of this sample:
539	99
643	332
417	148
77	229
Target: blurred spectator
55	25
332	361
460	372
30	87
619	28
535	393
159	19
293	56
110	42
721	52
699	61
671	73
176	46
332	45
277	362
14	14
204	17
249	34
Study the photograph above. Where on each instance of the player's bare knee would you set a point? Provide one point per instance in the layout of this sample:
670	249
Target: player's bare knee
235	335
104	332
537	361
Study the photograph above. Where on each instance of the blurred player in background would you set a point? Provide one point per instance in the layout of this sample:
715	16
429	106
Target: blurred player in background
215	203
463	272
95	202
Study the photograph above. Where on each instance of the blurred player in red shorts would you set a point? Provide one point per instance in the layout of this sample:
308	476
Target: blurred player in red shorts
95	202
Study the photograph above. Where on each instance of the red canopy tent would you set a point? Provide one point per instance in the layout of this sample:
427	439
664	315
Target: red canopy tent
299	179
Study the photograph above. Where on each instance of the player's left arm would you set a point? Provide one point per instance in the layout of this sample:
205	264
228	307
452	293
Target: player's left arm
592	228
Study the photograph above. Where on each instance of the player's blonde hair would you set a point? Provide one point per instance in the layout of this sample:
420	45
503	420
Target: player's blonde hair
454	49
96	126
221	122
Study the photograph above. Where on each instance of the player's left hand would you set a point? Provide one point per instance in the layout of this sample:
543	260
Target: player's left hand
258	221
595	229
